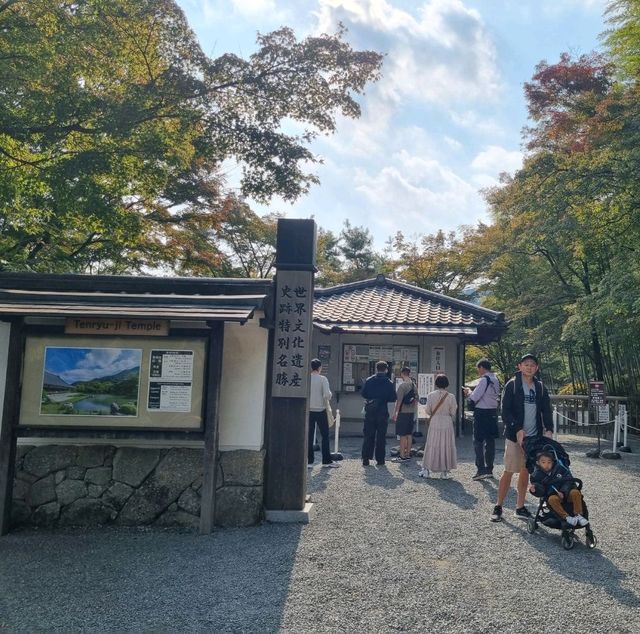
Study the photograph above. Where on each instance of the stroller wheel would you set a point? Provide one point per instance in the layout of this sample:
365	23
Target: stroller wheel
532	525
592	542
568	540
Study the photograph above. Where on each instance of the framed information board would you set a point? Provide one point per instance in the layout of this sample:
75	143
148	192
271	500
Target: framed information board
113	382
359	362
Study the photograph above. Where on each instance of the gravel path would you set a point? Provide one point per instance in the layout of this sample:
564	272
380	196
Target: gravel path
386	551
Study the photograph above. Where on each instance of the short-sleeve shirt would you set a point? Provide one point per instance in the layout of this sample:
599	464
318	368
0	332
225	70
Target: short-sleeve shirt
403	389
530	410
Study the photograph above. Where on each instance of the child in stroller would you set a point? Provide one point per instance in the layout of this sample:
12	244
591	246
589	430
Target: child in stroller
561	503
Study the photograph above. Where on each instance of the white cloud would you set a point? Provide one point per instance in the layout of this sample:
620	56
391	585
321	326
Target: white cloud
497	159
100	362
417	194
441	55
491	162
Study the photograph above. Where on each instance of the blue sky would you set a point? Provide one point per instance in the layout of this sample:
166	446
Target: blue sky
85	364
443	122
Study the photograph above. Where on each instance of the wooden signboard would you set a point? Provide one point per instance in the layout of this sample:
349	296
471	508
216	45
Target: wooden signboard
294	290
121	327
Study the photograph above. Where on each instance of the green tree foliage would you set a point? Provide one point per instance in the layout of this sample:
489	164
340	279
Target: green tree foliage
446	263
564	259
114	126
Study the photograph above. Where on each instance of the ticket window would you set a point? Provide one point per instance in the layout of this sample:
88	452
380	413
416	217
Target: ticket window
359	362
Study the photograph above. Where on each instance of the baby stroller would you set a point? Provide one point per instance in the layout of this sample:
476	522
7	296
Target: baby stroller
545	515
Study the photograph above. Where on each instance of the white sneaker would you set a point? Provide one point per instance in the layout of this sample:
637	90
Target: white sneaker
310	466
572	521
330	465
583	521
424	473
446	475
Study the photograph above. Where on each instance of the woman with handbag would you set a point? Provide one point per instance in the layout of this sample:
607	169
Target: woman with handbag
440	451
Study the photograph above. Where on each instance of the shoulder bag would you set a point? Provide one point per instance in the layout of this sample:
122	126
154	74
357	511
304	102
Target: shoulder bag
440	402
330	419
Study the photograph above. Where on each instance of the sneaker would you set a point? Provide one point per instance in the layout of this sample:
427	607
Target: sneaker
330	465
487	475
424	473
380	463
399	459
583	521
479	475
310	465
446	475
523	513
572	520
496	516
365	462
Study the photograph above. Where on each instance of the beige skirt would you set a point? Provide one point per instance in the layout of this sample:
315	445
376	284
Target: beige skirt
440	451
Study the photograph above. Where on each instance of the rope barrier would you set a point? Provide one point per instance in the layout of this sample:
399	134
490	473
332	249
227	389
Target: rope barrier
585	424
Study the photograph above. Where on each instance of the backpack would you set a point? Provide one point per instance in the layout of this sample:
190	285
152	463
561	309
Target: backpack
410	396
471	405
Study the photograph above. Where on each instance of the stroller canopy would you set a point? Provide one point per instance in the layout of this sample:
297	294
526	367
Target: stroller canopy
534	446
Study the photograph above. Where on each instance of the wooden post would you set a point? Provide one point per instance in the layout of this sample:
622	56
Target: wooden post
9	423
290	355
461	350
211	416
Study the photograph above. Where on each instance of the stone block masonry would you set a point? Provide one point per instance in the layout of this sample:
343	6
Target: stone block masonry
62	485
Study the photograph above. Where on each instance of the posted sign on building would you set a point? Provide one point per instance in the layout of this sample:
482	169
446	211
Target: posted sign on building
292	341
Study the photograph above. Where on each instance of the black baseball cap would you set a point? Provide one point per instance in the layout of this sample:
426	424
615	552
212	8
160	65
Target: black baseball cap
533	357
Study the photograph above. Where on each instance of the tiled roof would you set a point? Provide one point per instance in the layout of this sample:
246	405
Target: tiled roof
386	305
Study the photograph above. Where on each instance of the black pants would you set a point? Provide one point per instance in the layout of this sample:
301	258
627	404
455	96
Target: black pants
375	432
485	454
319	419
485	431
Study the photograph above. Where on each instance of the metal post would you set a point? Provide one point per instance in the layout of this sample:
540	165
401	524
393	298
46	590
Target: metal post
616	423
555	421
337	436
625	418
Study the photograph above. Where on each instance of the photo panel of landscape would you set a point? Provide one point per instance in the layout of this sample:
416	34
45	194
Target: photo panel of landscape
91	381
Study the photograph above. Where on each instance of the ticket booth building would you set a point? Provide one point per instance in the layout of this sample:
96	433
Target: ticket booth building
358	324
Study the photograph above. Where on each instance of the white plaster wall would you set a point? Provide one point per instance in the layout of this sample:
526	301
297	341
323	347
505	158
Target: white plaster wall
5	330
244	380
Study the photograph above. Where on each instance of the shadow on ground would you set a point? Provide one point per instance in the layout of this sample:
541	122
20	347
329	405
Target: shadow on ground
133	580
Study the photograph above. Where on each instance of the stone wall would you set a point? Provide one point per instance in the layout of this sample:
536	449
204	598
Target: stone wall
63	485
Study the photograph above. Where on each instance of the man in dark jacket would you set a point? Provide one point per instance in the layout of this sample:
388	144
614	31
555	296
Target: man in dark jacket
526	413
377	391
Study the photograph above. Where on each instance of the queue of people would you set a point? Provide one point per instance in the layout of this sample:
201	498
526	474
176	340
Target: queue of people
526	414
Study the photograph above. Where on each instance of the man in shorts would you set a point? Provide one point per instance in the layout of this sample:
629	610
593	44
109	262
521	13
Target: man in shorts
404	414
526	413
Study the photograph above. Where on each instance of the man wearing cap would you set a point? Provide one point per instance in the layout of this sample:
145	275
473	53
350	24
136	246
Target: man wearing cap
526	413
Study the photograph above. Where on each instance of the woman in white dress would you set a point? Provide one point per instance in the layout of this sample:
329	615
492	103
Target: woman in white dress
440	451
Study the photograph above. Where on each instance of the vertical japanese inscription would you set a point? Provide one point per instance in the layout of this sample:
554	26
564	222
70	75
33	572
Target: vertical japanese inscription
292	341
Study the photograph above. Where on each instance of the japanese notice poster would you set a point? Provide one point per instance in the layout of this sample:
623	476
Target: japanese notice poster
426	384
437	359
170	380
293	308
